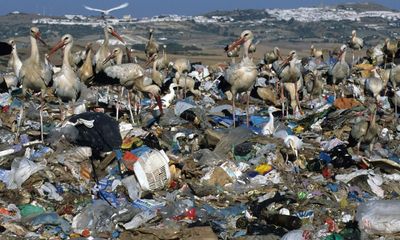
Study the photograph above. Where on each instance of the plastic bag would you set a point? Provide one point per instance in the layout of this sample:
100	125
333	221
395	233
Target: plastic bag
297	235
379	217
95	217
21	170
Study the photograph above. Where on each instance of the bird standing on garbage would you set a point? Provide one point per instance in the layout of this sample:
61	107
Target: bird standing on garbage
390	48
317	54
86	70
151	47
15	61
294	143
355	43
104	49
269	128
243	75
395	80
66	83
34	74
291	77
270	57
364	131
374	84
341	69
131	75
182	67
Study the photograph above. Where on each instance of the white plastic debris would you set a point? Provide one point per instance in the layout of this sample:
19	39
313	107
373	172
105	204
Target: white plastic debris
21	170
49	190
379	217
152	170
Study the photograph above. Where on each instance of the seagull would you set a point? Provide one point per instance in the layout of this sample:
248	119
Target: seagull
107	12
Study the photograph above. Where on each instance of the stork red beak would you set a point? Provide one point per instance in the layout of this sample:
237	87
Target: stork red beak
287	60
236	43
340	53
59	45
37	36
150	60
108	58
115	34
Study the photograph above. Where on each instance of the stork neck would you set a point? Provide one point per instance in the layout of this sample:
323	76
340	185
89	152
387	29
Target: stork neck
150	36
34	49
155	65
271	119
373	118
343	57
118	58
171	90
15	54
106	37
246	48
67	53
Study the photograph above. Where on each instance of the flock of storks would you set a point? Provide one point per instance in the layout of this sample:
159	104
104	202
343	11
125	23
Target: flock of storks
277	80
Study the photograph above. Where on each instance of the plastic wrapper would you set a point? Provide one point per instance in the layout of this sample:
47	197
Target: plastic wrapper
379	217
21	170
95	217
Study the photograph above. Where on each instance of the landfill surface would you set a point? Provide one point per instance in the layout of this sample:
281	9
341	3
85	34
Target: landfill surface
326	167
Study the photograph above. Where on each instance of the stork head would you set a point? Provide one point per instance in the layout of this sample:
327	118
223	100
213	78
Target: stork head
244	37
12	42
151	59
272	109
35	33
111	30
353	33
115	52
289	58
65	40
151	30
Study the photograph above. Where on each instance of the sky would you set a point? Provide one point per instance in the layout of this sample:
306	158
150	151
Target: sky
148	8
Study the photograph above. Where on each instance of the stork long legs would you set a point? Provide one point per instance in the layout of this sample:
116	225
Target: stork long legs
130	108
41	115
297	98
117	106
21	115
282	100
247	109
233	110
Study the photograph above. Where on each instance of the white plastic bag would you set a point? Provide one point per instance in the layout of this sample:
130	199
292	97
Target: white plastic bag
21	170
379	217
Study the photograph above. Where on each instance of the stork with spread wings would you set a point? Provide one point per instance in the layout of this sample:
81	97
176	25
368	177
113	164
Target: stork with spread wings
106	12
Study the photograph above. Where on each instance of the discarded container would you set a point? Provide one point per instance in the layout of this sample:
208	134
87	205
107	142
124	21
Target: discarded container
151	169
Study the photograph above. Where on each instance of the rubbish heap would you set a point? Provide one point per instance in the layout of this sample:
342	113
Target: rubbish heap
331	173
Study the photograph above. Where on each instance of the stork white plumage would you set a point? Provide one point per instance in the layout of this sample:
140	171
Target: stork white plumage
243	75
291	141
15	61
66	83
168	98
131	75
106	12
269	128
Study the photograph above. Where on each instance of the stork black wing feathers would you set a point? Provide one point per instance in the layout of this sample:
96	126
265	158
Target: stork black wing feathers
104	136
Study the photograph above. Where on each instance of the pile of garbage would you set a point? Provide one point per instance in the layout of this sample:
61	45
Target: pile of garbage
197	172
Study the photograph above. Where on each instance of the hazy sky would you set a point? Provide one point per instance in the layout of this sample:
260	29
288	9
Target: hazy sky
142	8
